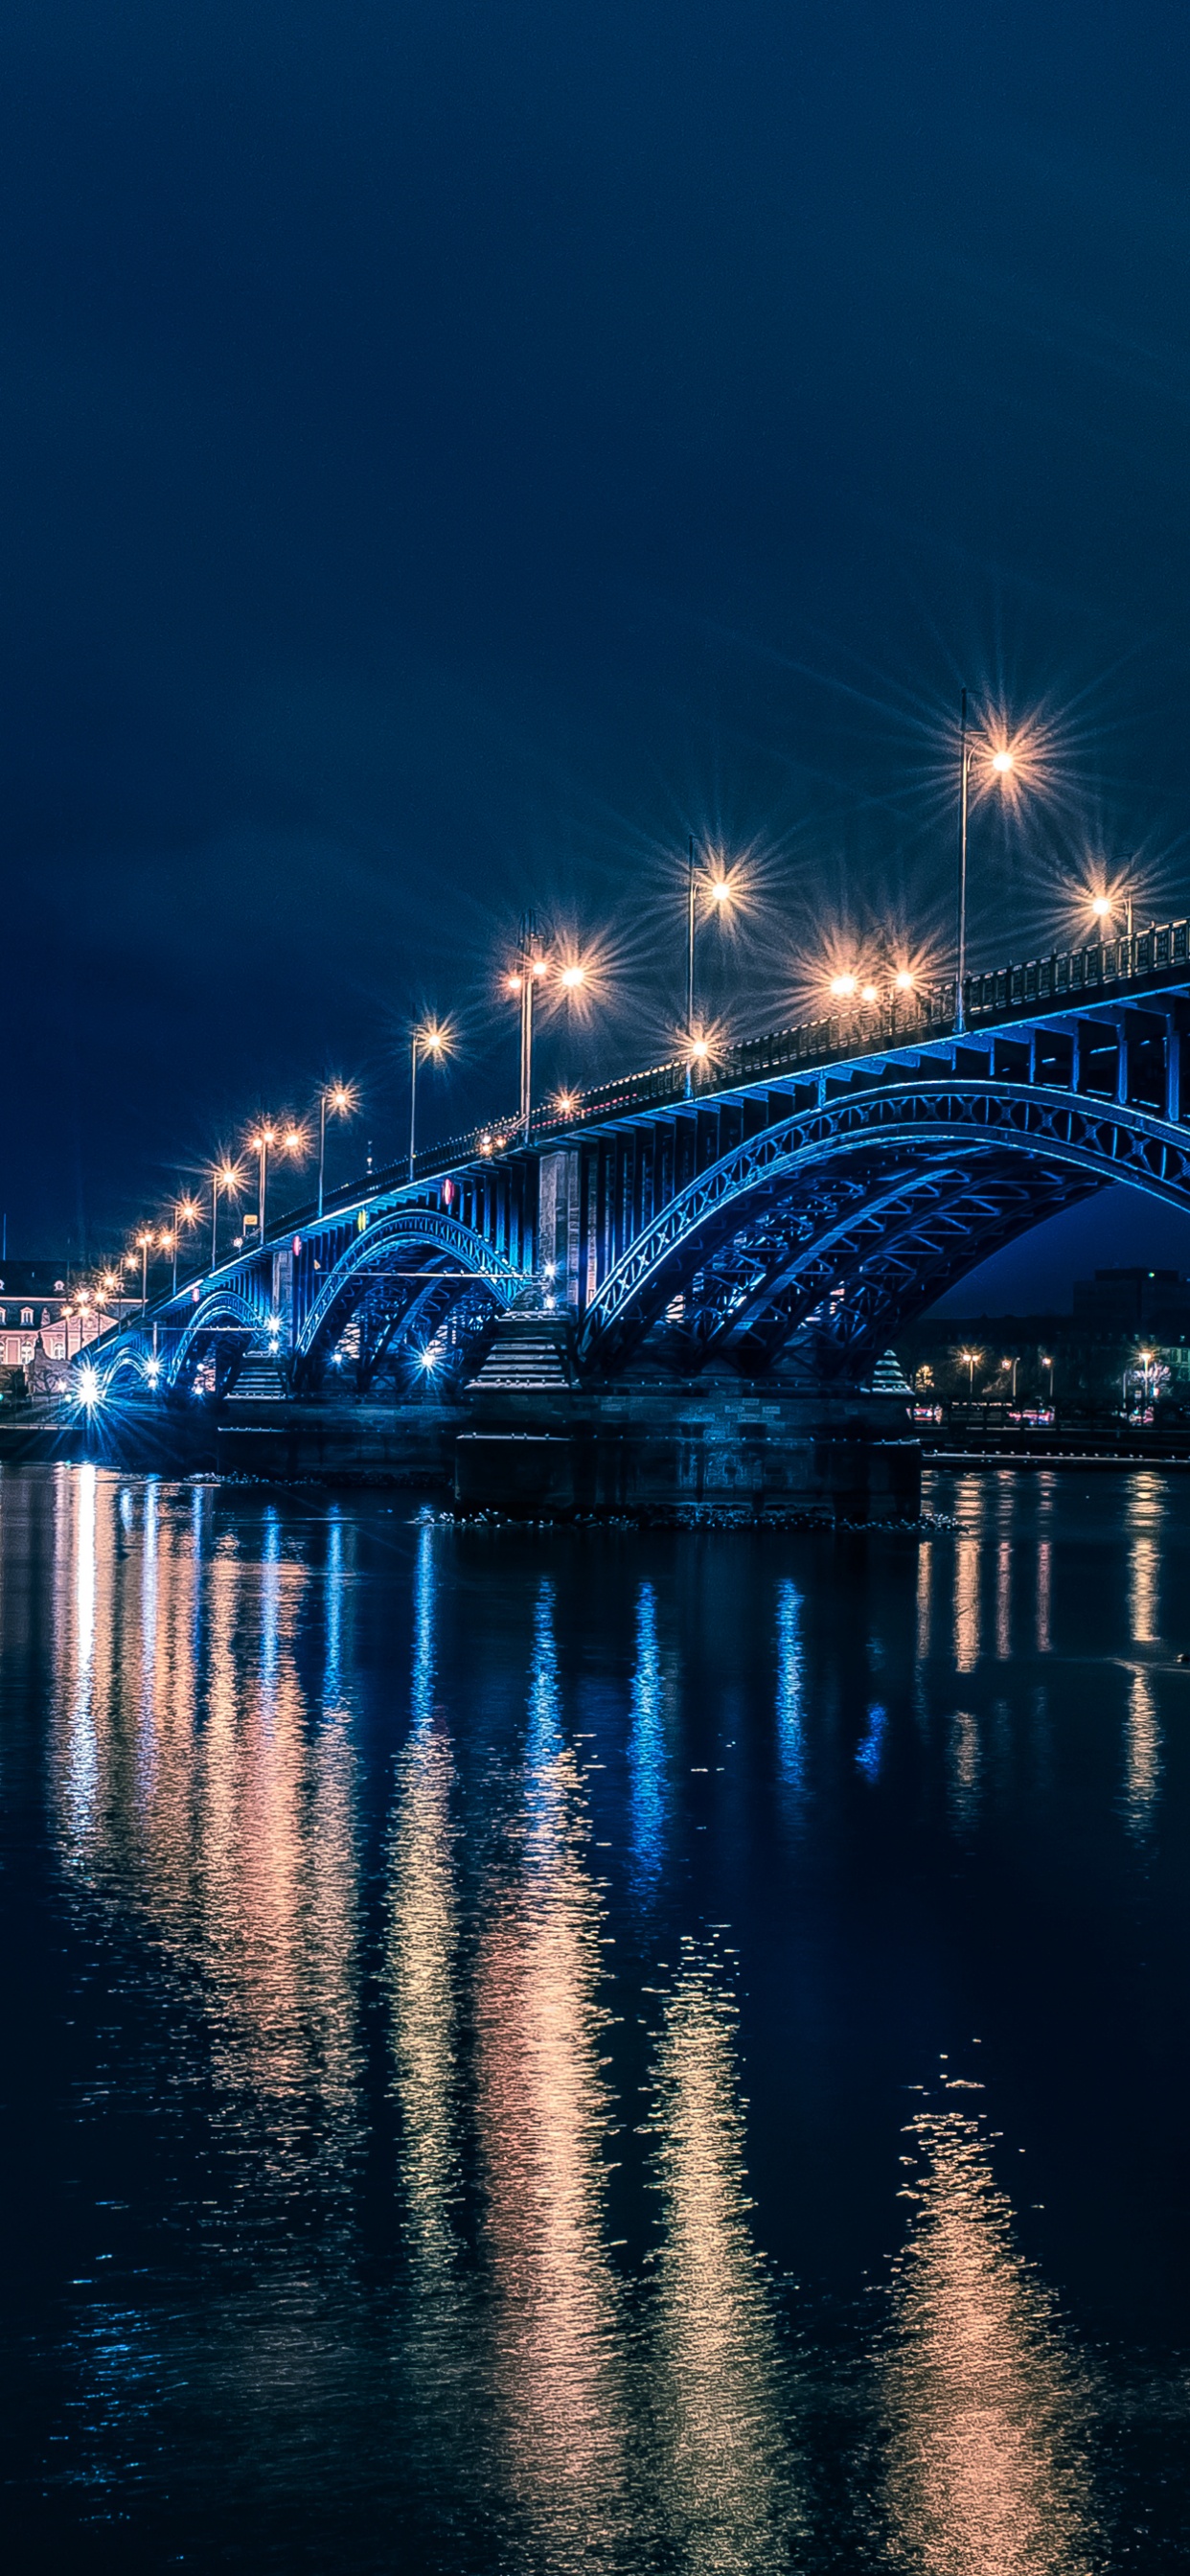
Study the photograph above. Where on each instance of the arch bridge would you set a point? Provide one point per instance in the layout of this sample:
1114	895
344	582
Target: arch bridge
820	1187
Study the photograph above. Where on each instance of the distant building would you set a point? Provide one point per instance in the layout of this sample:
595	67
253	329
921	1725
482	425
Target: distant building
40	1315
1156	1302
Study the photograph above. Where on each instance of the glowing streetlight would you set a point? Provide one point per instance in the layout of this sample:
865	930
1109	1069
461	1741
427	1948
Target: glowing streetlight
432	1040
226	1177
721	894
340	1099
1105	907
534	967
971	1360
844	987
1047	1362
1001	764
903	981
185	1213
143	1245
289	1140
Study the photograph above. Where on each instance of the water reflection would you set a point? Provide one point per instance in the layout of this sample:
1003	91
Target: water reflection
423	1945
791	1751
646	1746
1142	1753
968	1557
987	2410
190	1798
964	1768
544	2116
724	2465
1145	1512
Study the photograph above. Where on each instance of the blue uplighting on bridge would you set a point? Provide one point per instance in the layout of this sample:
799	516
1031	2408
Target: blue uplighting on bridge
821	1186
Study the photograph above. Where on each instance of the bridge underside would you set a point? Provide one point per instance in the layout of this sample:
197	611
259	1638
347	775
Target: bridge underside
815	1239
830	1264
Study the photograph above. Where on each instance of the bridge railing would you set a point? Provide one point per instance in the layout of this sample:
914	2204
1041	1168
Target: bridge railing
896	1020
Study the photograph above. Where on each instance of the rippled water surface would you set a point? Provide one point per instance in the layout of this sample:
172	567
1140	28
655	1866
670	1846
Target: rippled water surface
572	2050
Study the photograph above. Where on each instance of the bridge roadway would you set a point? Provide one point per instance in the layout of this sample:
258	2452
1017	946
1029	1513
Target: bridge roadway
823	1185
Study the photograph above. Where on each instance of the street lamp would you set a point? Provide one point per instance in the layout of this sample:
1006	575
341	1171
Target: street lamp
971	1360
339	1097
1047	1362
290	1140
143	1242
1012	1364
533	968
1105	908
185	1213
1001	766
432	1040
225	1177
720	893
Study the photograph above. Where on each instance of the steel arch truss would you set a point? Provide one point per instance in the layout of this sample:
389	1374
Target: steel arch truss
841	1221
400	1279
229	1319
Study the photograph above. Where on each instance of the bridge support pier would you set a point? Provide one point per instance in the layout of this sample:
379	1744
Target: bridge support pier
542	1443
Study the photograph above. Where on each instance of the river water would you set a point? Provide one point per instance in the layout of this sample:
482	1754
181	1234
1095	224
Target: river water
577	2050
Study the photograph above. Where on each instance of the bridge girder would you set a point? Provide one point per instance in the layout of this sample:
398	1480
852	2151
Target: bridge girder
227	1311
1013	1153
411	1265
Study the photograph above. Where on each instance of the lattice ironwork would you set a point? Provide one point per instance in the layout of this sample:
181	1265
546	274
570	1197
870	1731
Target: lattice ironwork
941	1127
377	1267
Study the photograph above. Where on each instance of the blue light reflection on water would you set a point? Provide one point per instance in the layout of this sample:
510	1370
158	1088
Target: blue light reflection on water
457	2109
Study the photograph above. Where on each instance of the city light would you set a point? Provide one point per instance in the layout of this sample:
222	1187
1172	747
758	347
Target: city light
903	980
1001	763
844	986
537	967
152	1370
341	1100
434	1038
869	993
88	1392
565	1103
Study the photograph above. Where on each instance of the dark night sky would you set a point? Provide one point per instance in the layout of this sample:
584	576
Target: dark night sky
450	452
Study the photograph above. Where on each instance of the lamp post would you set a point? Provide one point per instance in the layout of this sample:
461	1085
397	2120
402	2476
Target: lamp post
1047	1362
290	1141
339	1097
225	1177
1001	765
260	1143
720	892
1104	910
185	1213
427	1039
534	968
143	1241
971	1360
